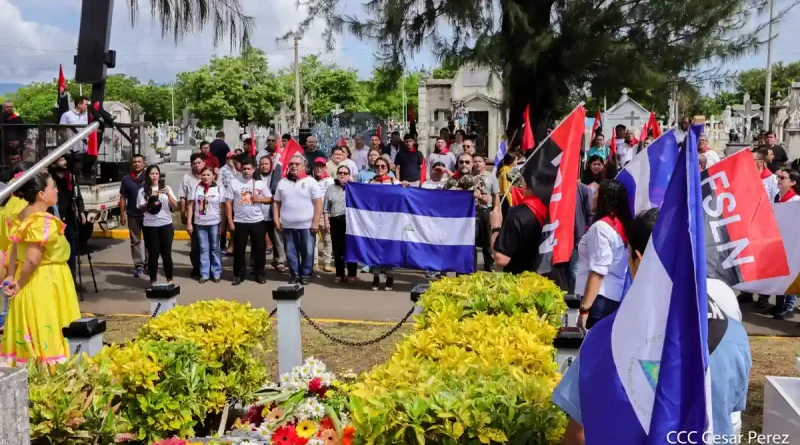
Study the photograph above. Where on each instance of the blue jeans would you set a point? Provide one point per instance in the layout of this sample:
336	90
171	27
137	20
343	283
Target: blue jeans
210	255
299	245
785	303
601	308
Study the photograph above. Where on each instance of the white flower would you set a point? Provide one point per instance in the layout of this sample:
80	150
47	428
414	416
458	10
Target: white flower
315	441
343	418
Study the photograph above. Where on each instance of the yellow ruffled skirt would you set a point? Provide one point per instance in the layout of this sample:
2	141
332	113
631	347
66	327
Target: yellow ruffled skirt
36	315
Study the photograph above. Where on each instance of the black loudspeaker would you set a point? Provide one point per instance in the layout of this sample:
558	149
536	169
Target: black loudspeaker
93	55
303	134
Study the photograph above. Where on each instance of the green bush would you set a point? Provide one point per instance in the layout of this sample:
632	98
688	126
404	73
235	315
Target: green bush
479	368
181	368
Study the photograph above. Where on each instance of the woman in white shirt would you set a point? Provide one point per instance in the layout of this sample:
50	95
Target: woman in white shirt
602	255
788	191
205	218
157	201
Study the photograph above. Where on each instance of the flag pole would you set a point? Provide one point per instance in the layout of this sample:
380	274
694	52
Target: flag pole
547	138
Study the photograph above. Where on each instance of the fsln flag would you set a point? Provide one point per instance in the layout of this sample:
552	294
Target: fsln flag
647	363
597	126
62	101
395	226
787	214
743	240
652	125
647	176
92	143
552	172
501	153
528	143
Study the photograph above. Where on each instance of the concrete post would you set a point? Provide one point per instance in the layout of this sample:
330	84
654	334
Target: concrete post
290	350
85	336
162	297
14	421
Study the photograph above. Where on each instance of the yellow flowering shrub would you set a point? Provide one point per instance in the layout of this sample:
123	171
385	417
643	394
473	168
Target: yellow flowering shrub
479	368
232	337
493	293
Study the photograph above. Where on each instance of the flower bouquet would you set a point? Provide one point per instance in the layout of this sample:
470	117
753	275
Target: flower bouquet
307	407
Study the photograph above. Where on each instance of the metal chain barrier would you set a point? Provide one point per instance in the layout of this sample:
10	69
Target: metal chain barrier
359	343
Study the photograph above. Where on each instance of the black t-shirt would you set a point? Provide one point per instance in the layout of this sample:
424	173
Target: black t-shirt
311	156
519	239
780	158
409	164
220	150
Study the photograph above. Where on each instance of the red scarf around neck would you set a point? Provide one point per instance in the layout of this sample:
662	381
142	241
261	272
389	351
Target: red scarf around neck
788	195
206	187
381	178
766	173
538	208
616	224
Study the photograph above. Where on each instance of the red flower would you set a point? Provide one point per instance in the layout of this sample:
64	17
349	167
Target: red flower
254	415
285	435
326	424
315	386
348	434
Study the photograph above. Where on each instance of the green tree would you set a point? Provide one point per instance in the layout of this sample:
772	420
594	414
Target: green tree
754	81
36	102
547	50
325	84
389	104
239	88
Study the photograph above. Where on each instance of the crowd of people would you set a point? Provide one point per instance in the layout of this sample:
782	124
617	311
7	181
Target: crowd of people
294	214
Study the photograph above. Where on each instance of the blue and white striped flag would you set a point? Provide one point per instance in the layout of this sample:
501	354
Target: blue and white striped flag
501	153
647	176
645	367
394	226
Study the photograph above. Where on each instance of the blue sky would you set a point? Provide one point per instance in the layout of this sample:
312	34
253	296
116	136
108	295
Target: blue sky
51	26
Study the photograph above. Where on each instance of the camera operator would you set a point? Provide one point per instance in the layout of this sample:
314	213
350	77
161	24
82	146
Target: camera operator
70	209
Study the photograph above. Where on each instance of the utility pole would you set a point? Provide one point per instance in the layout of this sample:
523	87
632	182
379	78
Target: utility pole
767	92
296	83
172	93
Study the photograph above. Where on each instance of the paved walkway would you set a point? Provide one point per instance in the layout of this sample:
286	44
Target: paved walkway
121	293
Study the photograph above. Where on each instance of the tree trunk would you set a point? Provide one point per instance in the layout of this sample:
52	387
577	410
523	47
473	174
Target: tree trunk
530	82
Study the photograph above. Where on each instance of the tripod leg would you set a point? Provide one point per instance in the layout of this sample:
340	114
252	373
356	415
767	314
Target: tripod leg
91	268
80	278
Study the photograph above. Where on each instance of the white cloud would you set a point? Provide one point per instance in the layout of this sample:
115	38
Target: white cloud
141	50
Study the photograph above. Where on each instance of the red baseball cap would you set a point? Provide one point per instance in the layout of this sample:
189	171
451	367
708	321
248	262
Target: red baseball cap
320	160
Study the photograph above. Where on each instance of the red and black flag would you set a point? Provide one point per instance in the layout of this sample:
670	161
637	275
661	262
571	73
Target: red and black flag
62	100
551	173
92	143
743	239
597	126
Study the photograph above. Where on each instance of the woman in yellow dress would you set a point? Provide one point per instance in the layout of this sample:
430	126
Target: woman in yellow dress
42	292
8	219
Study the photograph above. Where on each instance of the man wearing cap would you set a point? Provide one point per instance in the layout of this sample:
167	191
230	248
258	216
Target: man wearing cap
483	232
437	177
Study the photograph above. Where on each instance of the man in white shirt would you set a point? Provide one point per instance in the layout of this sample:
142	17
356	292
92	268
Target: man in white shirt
296	211
437	177
186	191
360	154
245	198
702	147
626	150
769	180
683	129
76	116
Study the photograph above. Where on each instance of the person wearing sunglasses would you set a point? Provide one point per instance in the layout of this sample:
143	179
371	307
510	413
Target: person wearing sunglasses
333	211
296	212
382	167
789	191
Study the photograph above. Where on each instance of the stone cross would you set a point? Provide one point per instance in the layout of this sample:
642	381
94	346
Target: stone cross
633	119
337	110
748	111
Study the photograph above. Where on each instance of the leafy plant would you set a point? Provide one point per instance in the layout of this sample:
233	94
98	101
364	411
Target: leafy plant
232	338
479	368
65	408
492	293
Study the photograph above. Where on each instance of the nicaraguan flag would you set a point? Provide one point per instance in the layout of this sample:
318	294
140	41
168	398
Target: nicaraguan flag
394	226
501	153
645	367
647	176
